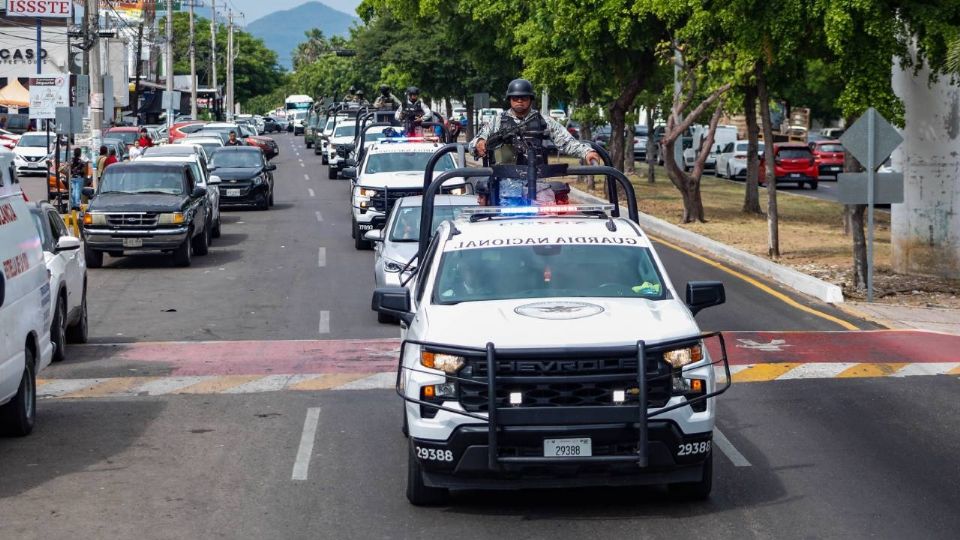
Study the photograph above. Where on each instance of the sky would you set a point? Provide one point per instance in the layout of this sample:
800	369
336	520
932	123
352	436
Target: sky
254	9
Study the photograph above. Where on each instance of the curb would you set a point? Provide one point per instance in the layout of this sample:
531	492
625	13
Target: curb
788	277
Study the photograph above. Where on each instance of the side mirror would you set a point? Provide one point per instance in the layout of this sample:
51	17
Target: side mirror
719	149
349	172
393	301
211	167
199	192
214	180
88	192
374	235
270	167
704	294
67	243
350	162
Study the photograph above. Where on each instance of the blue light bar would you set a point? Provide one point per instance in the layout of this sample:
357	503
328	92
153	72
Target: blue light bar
550	210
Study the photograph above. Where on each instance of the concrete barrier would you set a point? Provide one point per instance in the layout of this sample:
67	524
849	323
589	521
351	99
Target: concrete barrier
798	281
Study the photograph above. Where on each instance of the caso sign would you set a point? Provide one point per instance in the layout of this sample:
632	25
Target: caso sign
18	55
55	9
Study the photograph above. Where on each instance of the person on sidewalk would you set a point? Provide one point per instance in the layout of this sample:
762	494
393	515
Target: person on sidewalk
78	177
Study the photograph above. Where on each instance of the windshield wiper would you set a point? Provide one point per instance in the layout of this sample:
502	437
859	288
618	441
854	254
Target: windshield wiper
156	192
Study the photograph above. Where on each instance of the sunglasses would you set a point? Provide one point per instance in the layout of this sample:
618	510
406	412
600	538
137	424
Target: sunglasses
519	98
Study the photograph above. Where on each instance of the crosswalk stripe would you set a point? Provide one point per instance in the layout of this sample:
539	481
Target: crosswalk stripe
825	370
379	380
871	370
170	385
326	381
118	386
927	369
59	387
762	372
218	385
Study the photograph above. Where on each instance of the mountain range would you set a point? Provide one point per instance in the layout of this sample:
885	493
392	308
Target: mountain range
283	30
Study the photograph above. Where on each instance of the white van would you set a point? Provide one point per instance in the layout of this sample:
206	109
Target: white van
25	347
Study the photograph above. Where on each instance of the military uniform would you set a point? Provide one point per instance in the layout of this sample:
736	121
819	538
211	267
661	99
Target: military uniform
565	142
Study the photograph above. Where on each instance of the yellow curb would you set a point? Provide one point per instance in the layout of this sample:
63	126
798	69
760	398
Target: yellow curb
871	370
762	372
218	384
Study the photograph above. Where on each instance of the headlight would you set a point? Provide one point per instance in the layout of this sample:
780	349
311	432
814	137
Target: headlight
172	218
446	363
257	180
367	192
682	357
94	219
392	267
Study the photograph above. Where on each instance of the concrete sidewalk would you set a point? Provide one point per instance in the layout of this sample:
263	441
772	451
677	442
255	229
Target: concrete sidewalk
907	317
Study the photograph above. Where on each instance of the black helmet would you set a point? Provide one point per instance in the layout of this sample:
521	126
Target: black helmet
359	92
520	88
413	91
352	89
384	88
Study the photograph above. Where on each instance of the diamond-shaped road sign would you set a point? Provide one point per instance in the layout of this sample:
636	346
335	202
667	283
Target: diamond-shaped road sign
857	141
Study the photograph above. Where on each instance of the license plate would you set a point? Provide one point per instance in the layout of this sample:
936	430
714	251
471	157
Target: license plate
233	193
794	175
835	169
132	242
363	227
567	448
33	165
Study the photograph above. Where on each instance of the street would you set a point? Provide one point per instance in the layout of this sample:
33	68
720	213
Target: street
251	396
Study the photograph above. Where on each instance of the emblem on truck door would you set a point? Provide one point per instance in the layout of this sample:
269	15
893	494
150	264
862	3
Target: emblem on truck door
558	310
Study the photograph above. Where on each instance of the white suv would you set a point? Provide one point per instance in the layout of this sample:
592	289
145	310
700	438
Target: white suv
341	136
519	358
25	299
392	169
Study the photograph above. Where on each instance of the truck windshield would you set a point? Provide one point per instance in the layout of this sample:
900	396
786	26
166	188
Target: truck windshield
405	161
547	271
141	181
406	228
225	159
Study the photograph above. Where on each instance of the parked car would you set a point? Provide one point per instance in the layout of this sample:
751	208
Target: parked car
558	114
573	128
118	146
127	134
639	142
601	135
829	156
182	129
196	158
68	278
210	144
143	206
25	306
246	177
31	153
793	162
732	161
272	125
833	132
698	134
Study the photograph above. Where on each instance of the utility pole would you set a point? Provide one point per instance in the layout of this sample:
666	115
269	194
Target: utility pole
230	107
169	65
136	81
193	69
213	53
96	76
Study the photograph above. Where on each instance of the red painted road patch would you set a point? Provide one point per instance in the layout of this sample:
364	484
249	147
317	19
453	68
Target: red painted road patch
380	355
876	346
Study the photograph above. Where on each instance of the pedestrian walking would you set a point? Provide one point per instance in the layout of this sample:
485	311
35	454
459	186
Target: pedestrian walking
78	176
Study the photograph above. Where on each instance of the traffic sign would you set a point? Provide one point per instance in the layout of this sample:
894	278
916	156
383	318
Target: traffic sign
856	139
162	6
888	188
481	100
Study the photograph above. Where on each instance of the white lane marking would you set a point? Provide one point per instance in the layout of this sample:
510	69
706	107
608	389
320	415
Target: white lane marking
935	368
319	216
376	381
312	194
306	177
64	386
722	375
302	165
322	257
169	385
324	322
301	466
818	370
725	446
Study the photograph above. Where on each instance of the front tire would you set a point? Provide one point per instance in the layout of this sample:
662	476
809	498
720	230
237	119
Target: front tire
93	257
331	173
813	185
262	202
418	493
78	332
17	417
695	491
358	242
183	256
201	242
58	330
216	228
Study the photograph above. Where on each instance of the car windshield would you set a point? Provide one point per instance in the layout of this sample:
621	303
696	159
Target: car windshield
190	128
406	227
124	180
793	153
235	160
34	141
329	125
128	137
344	131
547	271
405	161
209	146
640	131
831	148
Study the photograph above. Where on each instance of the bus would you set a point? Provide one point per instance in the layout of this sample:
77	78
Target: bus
298	102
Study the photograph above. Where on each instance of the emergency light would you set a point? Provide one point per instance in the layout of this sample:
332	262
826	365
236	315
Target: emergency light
535	210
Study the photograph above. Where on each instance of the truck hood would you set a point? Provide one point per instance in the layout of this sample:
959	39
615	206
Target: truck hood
123	202
236	173
555	322
400	180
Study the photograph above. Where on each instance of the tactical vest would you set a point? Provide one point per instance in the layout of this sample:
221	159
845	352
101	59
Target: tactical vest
506	154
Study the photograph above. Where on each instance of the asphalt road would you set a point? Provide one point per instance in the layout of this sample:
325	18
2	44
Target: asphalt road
817	458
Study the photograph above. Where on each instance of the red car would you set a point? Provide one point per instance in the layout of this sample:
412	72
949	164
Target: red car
127	134
182	129
794	162
829	156
265	144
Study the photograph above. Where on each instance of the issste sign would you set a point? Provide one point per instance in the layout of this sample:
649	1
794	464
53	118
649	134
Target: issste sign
54	9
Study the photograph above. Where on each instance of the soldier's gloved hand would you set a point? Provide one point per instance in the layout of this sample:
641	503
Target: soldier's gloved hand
593	158
481	148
